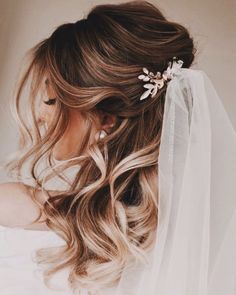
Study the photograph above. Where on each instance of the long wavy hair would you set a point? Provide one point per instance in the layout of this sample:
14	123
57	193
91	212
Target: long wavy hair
109	213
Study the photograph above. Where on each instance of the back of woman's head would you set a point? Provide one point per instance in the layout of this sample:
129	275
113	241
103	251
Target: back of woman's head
110	211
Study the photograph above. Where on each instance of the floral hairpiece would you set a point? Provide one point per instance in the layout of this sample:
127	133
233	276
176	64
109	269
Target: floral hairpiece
158	79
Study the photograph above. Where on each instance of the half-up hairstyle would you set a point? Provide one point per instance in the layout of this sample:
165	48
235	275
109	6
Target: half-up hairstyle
109	213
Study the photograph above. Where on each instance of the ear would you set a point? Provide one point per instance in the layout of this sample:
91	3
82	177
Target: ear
107	122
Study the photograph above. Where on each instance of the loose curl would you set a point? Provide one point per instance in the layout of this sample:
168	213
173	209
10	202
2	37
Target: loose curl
109	214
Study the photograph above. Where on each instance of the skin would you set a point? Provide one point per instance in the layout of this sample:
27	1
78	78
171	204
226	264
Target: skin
16	207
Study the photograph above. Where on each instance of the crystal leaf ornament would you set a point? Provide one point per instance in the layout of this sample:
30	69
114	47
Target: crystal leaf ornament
157	81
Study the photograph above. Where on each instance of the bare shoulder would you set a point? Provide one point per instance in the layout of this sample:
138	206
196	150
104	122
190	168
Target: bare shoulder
17	209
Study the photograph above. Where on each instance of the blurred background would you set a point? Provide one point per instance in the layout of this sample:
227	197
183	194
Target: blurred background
23	23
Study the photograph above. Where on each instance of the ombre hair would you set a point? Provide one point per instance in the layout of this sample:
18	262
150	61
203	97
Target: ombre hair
109	213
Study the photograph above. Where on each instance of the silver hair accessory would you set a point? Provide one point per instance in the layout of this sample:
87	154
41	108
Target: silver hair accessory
157	81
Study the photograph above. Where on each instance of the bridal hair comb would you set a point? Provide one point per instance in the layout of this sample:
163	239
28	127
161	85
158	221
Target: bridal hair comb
157	81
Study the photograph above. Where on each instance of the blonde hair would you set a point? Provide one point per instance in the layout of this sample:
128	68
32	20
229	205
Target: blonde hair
110	212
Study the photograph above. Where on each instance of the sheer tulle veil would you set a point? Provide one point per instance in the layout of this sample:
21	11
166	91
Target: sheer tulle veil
195	244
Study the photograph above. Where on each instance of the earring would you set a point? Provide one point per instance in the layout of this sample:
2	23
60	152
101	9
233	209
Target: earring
100	134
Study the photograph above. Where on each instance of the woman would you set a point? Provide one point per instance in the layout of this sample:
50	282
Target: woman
136	170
